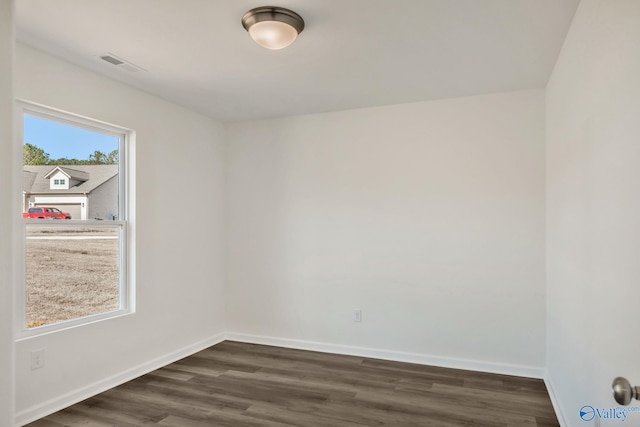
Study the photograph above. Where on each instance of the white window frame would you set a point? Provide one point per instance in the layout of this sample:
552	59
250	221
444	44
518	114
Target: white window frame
126	138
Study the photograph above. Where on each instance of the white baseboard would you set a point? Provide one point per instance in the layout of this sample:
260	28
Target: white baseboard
554	400
398	356
61	402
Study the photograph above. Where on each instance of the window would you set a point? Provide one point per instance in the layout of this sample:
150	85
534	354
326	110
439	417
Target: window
76	241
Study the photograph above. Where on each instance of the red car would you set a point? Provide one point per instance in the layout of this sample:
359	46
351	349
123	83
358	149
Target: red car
45	212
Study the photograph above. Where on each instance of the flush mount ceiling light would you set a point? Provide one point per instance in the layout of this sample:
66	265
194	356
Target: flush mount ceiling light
273	27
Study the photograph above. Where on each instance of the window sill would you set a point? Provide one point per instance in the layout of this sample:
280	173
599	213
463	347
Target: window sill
25	334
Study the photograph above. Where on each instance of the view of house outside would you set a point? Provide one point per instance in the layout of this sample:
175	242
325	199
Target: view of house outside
69	172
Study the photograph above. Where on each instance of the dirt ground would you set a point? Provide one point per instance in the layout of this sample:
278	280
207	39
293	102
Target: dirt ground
70	273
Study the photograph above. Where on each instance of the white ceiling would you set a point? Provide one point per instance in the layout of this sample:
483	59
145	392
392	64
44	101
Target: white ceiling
352	53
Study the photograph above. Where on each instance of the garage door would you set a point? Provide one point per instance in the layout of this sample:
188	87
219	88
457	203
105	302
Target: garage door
72	208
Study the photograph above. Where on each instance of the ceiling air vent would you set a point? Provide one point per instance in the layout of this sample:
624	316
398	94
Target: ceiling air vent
120	63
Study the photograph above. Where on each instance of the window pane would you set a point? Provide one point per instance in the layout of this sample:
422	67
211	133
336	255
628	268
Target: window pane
71	272
70	167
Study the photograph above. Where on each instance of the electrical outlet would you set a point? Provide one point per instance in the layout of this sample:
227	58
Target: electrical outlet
357	315
37	359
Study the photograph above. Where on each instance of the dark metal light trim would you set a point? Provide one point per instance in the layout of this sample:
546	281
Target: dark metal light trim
273	13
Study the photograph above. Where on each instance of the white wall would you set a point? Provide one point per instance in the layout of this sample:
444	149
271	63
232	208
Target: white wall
103	202
593	207
428	216
6	212
178	258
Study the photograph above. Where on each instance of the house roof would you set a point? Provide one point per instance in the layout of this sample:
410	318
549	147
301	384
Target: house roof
28	178
70	173
35	178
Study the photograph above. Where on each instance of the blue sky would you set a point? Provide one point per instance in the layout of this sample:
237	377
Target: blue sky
62	140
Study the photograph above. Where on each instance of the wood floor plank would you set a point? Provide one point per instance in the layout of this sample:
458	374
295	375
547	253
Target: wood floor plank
237	385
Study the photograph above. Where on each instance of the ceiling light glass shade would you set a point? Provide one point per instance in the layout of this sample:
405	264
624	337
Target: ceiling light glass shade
273	34
273	27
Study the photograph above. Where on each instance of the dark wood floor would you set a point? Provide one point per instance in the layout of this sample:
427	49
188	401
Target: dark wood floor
234	384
